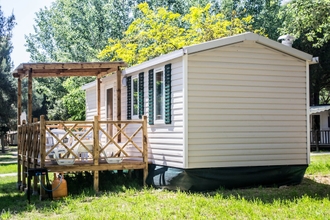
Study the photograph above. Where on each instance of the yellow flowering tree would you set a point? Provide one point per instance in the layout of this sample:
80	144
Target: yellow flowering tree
163	31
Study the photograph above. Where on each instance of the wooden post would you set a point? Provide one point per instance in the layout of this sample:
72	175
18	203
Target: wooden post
145	149
96	129
34	155
42	153
119	101
19	112
96	152
19	158
98	98
30	97
24	153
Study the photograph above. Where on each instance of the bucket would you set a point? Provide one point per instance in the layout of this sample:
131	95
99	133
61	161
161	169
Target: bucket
59	187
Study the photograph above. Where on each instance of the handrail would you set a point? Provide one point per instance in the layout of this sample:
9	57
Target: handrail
33	136
321	137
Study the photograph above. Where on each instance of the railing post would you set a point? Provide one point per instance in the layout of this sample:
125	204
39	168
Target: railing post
42	153
19	157
145	148
96	152
23	147
35	153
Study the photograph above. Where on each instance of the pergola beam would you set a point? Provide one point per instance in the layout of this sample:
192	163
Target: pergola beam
84	69
99	69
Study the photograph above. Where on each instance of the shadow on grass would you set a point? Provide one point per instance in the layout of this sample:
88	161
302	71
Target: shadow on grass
15	202
12	201
308	187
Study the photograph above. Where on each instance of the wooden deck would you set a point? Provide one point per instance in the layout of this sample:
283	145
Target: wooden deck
74	146
320	140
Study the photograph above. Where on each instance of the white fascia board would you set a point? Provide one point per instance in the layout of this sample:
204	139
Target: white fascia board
88	85
155	61
248	37
220	42
285	49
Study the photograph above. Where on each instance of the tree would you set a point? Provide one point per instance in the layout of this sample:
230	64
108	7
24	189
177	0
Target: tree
163	31
264	12
309	19
7	85
309	22
72	31
75	100
76	31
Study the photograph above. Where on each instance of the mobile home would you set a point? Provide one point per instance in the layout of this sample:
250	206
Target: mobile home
231	112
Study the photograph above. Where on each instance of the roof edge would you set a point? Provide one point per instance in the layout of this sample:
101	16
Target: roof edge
286	49
155	61
249	36
88	85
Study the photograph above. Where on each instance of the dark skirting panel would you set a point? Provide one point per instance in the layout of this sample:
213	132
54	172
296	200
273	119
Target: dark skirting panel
204	179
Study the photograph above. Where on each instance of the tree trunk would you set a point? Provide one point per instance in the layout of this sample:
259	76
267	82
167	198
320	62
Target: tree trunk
2	138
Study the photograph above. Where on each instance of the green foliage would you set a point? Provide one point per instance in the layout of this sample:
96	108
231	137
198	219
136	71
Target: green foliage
7	85
163	31
308	21
75	99
51	90
73	30
264	13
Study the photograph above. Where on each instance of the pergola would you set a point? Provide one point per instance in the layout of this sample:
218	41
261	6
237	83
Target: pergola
32	142
97	69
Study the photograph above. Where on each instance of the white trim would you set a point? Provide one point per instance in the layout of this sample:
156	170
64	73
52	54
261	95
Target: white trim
247	37
110	86
318	109
88	85
281	47
307	113
155	61
214	43
185	109
159	121
132	94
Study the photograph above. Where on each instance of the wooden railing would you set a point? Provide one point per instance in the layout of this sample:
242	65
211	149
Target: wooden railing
320	137
50	143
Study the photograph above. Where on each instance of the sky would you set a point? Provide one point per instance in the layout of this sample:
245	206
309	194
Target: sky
24	11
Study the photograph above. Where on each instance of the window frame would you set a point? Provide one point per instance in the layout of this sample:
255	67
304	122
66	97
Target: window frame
162	120
135	116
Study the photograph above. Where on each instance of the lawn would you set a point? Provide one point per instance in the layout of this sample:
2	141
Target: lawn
308	200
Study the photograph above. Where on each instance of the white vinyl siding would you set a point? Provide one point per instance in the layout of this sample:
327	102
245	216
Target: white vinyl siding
91	108
165	140
241	104
246	107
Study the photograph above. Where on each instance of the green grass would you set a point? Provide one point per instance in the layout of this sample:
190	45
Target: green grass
8	168
8	160
306	201
123	200
320	164
10	154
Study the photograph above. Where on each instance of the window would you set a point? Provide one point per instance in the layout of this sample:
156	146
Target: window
159	95
135	97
